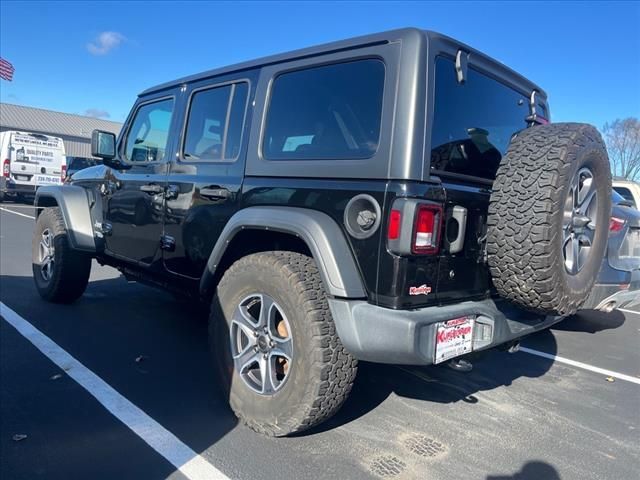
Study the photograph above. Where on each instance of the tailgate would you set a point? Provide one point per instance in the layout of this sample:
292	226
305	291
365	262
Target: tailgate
463	272
458	270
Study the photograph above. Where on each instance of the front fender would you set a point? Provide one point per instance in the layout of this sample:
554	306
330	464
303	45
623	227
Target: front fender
320	232
74	204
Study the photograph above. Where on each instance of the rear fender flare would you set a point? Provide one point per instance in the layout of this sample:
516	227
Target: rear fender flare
321	233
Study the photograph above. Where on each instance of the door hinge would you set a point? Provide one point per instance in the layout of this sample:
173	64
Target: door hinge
109	188
167	243
103	229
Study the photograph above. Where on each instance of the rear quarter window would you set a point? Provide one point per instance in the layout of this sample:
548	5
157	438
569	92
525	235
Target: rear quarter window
330	112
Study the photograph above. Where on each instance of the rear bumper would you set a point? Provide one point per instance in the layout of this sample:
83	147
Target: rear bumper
408	337
12	187
612	296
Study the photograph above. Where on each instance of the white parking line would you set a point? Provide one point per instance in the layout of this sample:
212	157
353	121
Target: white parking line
17	213
628	311
188	462
585	366
15	205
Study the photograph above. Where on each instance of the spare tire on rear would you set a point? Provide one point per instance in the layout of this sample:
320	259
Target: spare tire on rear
549	217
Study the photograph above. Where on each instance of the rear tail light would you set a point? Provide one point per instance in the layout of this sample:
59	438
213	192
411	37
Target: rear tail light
5	168
414	227
63	173
616	224
427	229
394	225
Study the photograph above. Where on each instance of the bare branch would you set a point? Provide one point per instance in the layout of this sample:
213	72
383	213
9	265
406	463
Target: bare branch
622	137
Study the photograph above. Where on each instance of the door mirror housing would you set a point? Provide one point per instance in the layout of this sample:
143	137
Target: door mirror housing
103	145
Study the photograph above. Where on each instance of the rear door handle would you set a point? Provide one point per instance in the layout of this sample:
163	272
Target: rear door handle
215	193
152	189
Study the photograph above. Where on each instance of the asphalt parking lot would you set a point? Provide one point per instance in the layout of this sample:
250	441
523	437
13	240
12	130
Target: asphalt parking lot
120	385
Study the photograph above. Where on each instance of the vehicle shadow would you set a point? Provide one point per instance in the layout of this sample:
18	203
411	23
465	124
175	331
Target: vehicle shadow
154	351
149	347
534	470
591	321
439	383
492	369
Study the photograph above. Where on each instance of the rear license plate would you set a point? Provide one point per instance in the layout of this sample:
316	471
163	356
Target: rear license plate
47	179
453	338
23	178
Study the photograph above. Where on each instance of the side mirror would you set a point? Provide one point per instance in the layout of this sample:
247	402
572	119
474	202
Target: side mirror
103	144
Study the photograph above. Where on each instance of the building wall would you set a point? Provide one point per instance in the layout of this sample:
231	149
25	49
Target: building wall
74	130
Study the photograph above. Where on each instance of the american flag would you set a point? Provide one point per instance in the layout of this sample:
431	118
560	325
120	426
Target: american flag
6	70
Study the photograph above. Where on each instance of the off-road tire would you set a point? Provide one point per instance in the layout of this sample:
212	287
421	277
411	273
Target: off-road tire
71	267
525	222
322	371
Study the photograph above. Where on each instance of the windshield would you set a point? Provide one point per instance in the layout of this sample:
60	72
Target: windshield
473	122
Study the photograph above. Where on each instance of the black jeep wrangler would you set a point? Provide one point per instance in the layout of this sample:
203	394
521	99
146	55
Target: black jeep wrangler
397	198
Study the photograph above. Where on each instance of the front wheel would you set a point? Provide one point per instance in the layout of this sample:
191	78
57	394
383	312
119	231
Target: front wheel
273	338
61	274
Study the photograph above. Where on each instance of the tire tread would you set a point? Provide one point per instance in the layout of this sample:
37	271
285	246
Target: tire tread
332	365
73	267
522	236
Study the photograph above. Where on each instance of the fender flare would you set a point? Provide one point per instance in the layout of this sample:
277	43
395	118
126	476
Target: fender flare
74	205
321	233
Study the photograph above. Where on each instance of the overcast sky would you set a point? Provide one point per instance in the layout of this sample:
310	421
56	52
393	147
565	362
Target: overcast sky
94	58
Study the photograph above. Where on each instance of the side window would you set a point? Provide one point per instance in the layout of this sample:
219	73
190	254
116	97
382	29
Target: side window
626	193
215	123
326	113
149	132
473	122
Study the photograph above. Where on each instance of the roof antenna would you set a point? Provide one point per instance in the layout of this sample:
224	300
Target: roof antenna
462	59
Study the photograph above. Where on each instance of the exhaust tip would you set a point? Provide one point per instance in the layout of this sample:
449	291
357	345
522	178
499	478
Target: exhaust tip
514	347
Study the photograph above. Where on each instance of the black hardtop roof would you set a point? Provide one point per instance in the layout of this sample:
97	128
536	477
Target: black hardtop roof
404	34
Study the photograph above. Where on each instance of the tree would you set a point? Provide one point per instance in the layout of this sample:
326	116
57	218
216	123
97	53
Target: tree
622	137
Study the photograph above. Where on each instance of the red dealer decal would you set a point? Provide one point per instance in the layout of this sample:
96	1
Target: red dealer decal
421	290
447	335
